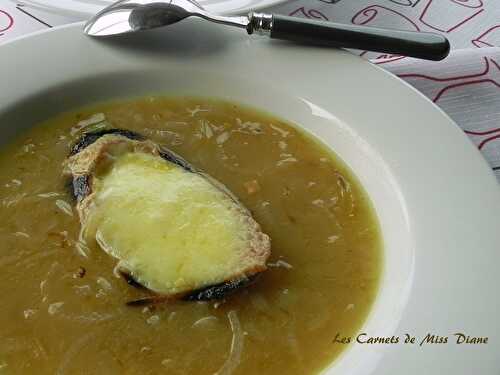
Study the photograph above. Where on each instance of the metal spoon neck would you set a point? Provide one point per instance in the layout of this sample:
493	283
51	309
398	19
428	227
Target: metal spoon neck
238	21
254	23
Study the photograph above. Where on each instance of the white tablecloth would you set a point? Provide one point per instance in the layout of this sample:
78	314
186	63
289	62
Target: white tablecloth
466	85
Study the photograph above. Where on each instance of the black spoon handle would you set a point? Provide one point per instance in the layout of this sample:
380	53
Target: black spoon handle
429	46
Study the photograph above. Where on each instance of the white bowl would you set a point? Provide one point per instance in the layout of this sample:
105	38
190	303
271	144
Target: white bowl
437	201
87	8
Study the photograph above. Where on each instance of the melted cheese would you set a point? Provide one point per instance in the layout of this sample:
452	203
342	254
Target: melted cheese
172	229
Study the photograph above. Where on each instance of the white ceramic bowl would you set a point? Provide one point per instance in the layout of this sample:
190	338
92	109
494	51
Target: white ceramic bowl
437	201
87	8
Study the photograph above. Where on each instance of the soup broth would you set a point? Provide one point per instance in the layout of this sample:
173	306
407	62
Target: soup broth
63	310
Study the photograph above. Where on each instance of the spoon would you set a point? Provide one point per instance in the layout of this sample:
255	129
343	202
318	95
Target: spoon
128	16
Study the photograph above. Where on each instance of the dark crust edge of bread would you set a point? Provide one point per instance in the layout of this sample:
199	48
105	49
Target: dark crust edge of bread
88	138
211	293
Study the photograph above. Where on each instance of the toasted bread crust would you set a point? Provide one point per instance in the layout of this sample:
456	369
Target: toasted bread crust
83	164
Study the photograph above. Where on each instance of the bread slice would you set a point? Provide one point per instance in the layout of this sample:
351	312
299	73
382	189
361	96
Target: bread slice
173	229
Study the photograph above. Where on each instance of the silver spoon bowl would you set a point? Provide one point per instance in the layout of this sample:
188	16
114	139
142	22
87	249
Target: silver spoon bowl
128	16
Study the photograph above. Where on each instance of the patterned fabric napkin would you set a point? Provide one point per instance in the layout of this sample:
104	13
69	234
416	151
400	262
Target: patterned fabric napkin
466	85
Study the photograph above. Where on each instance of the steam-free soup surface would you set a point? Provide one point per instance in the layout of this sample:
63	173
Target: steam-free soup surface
63	311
